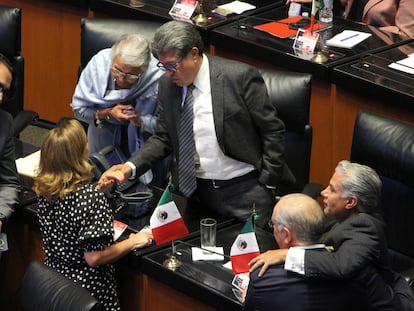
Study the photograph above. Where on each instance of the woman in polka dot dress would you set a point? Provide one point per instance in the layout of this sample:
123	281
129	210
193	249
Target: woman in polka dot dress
75	217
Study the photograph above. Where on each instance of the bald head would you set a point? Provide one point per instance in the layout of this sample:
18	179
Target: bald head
302	216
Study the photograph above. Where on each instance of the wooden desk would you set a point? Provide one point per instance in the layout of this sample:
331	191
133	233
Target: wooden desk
331	116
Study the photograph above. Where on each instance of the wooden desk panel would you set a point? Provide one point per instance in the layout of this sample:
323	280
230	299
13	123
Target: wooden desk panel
160	297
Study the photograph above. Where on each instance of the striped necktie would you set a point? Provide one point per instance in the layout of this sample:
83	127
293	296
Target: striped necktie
186	164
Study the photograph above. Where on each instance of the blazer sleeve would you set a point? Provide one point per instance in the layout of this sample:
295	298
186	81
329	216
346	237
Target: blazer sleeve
356	244
160	144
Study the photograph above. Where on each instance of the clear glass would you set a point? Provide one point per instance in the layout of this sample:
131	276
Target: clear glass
208	228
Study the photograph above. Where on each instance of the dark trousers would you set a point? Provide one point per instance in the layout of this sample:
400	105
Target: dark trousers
235	200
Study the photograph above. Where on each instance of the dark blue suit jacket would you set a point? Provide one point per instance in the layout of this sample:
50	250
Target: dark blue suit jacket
279	289
8	173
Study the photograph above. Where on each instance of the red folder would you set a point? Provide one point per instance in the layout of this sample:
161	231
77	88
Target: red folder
281	28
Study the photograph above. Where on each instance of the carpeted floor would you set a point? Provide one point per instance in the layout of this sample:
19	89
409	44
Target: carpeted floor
33	134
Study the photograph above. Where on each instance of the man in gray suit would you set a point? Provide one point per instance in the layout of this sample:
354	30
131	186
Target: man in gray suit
239	140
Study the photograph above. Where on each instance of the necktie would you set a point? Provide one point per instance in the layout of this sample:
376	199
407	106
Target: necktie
186	163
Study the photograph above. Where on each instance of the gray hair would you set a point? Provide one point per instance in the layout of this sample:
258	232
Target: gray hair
302	215
362	182
134	51
177	36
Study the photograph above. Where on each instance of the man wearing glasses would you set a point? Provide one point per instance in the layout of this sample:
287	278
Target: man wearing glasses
8	174
237	158
116	95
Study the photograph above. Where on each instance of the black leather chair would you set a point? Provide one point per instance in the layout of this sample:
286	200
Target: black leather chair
45	289
387	145
10	46
100	33
290	92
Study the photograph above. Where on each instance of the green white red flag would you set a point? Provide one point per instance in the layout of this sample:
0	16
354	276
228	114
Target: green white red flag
166	222
244	248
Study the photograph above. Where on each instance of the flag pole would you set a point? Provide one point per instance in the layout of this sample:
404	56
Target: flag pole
254	216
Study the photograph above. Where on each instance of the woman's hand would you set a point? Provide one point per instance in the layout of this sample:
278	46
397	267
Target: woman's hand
116	173
141	239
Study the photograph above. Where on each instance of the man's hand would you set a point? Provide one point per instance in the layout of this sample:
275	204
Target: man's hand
116	173
272	257
123	112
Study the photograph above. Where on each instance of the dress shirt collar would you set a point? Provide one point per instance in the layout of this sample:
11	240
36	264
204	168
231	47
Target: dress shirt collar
202	79
313	246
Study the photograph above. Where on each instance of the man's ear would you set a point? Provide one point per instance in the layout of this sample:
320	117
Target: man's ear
351	203
286	236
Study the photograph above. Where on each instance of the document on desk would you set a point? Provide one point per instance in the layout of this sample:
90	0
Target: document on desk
348	39
237	7
405	65
28	165
281	29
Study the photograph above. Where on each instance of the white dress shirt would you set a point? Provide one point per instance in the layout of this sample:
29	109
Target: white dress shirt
295	258
211	162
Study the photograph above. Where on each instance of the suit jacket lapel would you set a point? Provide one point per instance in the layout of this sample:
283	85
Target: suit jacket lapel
217	98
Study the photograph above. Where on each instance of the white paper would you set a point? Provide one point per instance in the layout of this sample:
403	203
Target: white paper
237	6
228	265
348	39
405	65
199	254
402	68
28	165
409	62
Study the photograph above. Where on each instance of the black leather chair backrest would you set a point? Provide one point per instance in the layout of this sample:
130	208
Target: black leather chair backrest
10	46
45	289
387	145
290	92
100	33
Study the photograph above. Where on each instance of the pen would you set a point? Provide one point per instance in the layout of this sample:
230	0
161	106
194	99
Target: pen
350	37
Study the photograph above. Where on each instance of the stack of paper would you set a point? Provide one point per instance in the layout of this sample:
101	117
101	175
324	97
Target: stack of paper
236	6
347	39
28	165
405	65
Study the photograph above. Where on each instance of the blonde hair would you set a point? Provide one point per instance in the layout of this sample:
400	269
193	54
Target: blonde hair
63	166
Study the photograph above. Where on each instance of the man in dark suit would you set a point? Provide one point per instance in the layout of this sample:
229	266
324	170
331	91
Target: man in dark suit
357	239
239	140
8	173
298	221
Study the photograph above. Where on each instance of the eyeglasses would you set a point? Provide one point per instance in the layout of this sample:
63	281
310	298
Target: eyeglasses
4	90
127	76
170	67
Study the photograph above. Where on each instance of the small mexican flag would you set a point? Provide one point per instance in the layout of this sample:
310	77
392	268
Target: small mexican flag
166	222
244	248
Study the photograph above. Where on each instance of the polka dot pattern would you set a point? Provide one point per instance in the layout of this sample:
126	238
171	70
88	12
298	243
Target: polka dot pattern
81	222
